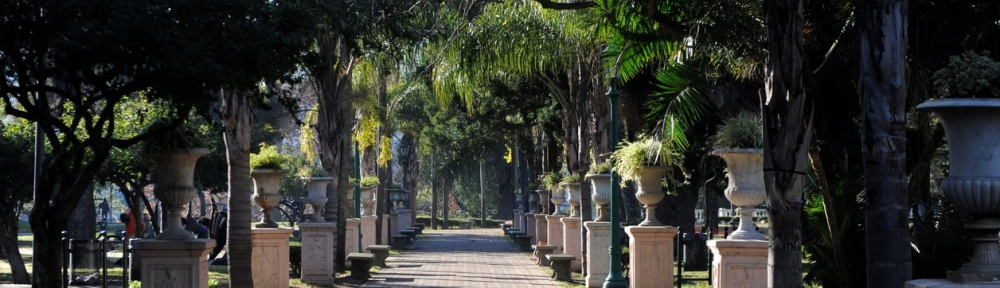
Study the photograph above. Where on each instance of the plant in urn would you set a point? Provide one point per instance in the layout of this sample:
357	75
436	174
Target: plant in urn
572	184
972	127
317	182
643	161
739	141
543	201
532	199
551	181
266	171
175	152
600	187
368	185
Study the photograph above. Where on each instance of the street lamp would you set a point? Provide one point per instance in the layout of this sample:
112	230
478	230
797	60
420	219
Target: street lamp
615	278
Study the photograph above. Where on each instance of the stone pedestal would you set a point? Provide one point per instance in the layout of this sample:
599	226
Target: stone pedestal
385	230
571	240
517	220
393	226
317	253
739	263
530	224
598	258
270	256
403	221
541	229
555	233
172	263
945	283
368	231
351	236
651	256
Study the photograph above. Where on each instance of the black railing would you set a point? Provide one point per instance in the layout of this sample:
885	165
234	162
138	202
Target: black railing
106	244
680	257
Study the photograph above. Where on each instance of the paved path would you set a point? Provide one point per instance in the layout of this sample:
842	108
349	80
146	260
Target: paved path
461	258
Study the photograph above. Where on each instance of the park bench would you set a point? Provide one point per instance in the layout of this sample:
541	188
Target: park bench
525	242
420	227
561	266
360	264
415	229
514	233
541	251
465	225
410	234
400	241
381	252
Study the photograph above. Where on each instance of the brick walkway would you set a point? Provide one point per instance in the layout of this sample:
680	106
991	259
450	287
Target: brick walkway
461	258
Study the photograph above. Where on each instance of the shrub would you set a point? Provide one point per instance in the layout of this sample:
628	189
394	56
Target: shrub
602	168
634	156
572	178
313	171
970	74
173	139
550	180
745	130
369	181
267	158
295	257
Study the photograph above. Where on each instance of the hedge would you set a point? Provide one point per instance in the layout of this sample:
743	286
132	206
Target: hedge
454	223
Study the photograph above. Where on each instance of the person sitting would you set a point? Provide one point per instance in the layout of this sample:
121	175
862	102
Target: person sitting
130	224
199	230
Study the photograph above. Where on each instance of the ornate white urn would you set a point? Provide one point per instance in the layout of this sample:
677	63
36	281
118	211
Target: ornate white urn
317	196
746	187
265	193
558	197
533	201
972	127
367	201
650	192
543	201
574	199
600	187
175	188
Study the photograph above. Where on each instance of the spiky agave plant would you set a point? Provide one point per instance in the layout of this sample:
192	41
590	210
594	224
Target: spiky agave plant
634	156
745	130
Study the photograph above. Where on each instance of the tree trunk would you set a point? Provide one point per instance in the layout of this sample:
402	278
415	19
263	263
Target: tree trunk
881	28
434	194
787	116
9	245
237	115
446	203
84	219
382	171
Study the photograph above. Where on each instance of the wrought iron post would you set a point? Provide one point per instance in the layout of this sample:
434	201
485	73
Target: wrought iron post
615	278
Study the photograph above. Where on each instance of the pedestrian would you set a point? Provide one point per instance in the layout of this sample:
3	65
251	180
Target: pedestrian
219	232
131	224
200	231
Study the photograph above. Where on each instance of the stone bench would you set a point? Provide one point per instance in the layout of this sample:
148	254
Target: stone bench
410	234
400	241
465	225
514	233
541	251
525	242
381	252
360	264
416	229
560	263
420	227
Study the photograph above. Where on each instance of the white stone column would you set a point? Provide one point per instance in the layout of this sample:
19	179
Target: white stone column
393	226
598	258
739	263
571	240
541	229
403	221
555	233
317	253
171	263
651	256
530	225
385	230
351	237
367	231
270	256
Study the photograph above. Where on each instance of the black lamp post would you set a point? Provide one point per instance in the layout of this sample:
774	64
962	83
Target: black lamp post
615	278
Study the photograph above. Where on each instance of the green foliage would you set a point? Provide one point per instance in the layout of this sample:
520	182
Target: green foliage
632	157
550	180
369	181
268	158
968	75
602	168
135	284
940	243
313	170
179	137
572	178
745	130
214	283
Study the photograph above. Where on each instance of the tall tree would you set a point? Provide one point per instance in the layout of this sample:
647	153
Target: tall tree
882	42
787	114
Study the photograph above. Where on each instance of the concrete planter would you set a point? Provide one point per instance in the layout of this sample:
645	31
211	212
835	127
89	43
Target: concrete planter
265	193
175	188
574	199
746	187
650	192
600	187
317	196
558	197
367	200
973	184
533	202
543	201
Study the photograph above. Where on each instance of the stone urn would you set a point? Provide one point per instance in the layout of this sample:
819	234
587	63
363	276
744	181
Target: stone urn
574	199
367	201
746	187
175	188
265	193
600	187
543	201
533	202
317	196
350	203
650	192
558	197
972	127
